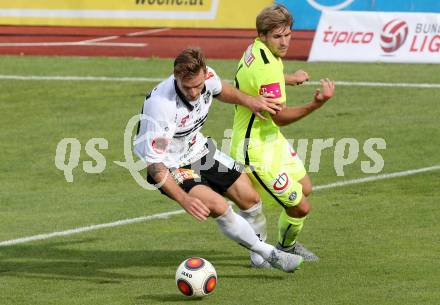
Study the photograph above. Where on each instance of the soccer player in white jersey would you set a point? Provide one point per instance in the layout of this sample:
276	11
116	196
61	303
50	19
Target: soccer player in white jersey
187	166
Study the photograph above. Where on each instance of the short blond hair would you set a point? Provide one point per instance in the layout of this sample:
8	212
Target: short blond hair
273	17
189	63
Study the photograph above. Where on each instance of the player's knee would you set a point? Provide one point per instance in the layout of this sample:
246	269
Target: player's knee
247	199
218	207
253	197
306	185
247	193
300	210
307	190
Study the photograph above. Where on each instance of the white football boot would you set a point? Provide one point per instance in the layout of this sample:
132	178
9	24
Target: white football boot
299	249
287	262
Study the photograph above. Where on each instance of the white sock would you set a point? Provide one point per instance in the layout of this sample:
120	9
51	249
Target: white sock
255	217
238	229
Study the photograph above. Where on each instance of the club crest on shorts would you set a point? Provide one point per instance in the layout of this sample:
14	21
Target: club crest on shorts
281	183
293	196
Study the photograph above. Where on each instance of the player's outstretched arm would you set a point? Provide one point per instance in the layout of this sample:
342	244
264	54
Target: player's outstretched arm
328	90
291	114
257	104
193	206
296	78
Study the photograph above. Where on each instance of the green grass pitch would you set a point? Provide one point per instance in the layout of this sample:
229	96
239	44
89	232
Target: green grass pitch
379	242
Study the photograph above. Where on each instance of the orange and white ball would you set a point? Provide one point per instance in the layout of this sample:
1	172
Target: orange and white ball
196	277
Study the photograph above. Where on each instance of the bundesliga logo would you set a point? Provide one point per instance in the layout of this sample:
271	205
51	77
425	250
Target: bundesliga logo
393	36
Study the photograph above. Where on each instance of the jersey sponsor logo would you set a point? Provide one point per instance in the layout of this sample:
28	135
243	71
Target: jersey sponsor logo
281	183
274	89
159	145
182	174
183	121
197	125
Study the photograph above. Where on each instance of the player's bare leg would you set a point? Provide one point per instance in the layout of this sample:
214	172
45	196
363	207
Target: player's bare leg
306	185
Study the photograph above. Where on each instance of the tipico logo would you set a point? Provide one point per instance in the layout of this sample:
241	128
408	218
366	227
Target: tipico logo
394	34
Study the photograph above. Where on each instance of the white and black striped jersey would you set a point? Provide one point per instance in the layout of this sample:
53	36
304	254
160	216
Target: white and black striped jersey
169	127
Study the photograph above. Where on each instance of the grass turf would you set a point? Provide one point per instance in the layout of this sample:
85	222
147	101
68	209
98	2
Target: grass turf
378	241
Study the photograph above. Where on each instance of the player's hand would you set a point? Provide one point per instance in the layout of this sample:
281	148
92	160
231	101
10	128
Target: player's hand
195	207
297	78
267	103
328	89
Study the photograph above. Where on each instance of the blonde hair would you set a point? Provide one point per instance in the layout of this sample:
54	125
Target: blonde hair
273	17
189	62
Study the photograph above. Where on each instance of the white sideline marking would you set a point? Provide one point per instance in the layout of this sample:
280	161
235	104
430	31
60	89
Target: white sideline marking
89	228
378	177
168	214
369	84
158	79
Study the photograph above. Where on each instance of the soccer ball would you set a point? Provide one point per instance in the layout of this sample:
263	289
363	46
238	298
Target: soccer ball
196	277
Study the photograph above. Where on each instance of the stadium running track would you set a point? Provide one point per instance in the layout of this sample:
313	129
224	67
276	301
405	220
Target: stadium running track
136	42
